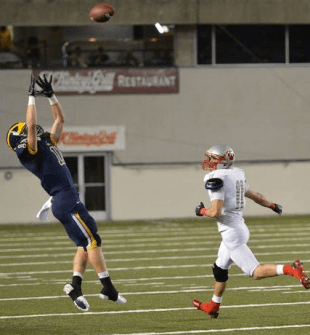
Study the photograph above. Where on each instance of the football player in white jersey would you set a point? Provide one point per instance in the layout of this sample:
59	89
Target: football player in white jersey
227	189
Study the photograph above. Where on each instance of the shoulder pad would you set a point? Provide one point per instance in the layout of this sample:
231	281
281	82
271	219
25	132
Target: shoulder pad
214	184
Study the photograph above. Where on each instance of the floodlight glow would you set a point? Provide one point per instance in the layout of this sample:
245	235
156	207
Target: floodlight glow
160	28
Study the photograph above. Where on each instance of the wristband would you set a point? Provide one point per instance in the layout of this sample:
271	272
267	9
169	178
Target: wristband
272	206
32	100
53	100
203	211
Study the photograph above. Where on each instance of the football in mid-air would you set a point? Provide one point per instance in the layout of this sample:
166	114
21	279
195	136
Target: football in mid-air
102	12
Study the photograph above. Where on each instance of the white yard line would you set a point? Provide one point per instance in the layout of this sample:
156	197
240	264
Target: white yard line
136	281
135	268
202	235
128	247
156	310
120	252
188	290
139	259
227	330
179	229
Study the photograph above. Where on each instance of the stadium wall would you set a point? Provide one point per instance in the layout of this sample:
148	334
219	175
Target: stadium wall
262	112
75	12
157	192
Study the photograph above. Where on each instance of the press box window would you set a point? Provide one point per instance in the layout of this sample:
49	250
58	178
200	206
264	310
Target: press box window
204	46
250	44
299	43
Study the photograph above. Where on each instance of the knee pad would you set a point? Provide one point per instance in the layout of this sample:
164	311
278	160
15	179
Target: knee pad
220	275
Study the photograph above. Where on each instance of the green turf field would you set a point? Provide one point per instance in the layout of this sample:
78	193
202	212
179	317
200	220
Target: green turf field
160	267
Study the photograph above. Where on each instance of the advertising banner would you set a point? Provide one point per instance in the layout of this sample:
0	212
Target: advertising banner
104	81
100	138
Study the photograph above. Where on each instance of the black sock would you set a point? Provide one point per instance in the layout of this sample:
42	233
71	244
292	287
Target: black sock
109	289
77	285
77	282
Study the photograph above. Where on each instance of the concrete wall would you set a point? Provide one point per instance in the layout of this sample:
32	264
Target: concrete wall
75	12
262	112
163	192
156	192
21	197
185	45
254	11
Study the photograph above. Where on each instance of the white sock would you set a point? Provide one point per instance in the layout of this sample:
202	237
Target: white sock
104	274
217	299
79	274
280	270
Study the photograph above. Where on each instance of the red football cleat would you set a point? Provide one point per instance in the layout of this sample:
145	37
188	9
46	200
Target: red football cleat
212	308
299	273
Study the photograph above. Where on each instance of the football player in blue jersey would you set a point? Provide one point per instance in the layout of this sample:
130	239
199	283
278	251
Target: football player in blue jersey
38	152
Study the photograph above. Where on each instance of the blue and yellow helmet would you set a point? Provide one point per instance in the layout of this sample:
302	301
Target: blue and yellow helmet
16	133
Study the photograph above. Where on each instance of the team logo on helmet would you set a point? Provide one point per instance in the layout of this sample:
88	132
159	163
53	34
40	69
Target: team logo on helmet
218	157
16	133
39	130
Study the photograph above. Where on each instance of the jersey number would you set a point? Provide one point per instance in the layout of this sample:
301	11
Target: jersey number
58	154
239	194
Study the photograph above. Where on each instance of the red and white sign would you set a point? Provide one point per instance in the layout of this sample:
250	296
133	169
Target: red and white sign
105	138
102	81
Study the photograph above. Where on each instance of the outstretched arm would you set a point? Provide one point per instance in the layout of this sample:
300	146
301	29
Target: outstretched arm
258	198
31	118
59	117
263	201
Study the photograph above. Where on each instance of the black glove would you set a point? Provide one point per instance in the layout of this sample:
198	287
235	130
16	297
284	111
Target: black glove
276	208
198	209
32	90
46	86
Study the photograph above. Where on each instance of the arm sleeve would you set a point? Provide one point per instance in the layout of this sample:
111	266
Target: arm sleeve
217	194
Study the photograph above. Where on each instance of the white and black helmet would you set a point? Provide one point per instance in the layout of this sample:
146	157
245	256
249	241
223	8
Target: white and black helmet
219	156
